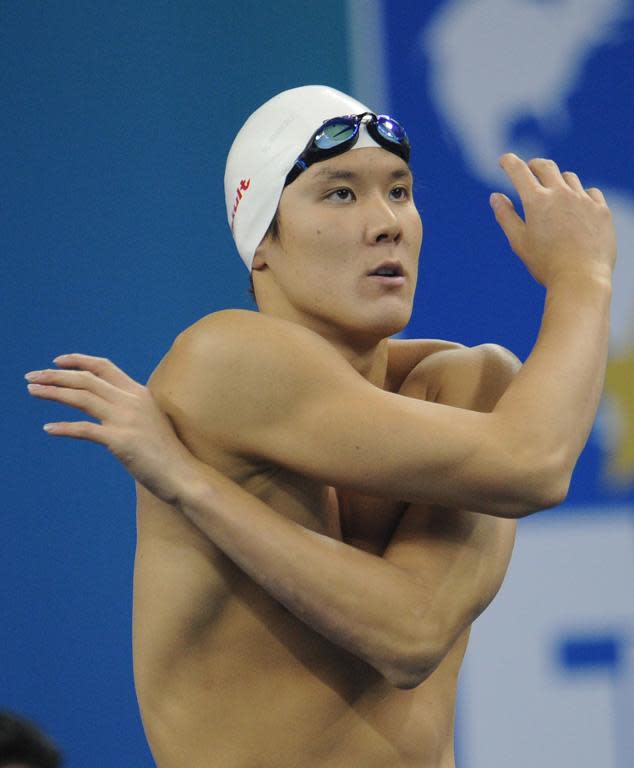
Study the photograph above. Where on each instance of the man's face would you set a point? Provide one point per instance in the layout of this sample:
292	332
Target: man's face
340	221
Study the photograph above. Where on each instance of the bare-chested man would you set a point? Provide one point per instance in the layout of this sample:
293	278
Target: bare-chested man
338	506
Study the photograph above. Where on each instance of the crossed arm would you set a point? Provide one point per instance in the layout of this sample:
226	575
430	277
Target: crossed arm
401	612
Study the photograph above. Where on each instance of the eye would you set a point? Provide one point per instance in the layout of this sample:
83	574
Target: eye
400	193
344	194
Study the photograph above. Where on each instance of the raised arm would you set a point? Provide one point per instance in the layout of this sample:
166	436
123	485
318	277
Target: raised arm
568	244
276	391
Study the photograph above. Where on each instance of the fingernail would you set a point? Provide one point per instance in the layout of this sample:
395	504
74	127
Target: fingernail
48	427
495	200
34	387
32	375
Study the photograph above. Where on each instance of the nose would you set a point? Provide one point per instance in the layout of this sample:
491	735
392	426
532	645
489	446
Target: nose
383	224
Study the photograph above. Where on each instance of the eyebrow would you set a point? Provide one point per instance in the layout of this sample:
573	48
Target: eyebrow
330	174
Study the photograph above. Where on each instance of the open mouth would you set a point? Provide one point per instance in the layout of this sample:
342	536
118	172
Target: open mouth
388	273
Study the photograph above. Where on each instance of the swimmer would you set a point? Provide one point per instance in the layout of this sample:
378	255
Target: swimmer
323	510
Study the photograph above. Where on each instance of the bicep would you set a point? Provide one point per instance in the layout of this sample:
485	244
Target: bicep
361	438
351	434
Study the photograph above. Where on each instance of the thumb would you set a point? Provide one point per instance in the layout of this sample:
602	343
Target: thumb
505	215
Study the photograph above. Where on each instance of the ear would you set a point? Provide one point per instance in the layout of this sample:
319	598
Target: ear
259	259
262	253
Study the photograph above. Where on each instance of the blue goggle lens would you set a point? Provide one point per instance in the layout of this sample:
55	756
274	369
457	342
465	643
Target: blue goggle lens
390	130
334	133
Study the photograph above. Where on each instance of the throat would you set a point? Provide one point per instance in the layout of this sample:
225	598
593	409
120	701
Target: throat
368	360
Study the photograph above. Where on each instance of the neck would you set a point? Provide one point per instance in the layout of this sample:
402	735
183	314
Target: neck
369	358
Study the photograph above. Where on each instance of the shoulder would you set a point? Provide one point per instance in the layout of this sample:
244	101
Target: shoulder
236	368
404	355
231	342
488	366
251	337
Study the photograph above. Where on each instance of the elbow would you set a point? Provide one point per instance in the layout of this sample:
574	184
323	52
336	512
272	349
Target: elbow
555	494
547	487
522	473
408	676
412	662
407	680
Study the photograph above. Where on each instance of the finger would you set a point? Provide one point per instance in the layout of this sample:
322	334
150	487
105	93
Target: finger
596	194
100	366
520	174
547	171
82	430
505	215
76	380
77	398
572	180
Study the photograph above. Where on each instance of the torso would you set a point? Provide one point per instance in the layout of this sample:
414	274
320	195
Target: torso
228	677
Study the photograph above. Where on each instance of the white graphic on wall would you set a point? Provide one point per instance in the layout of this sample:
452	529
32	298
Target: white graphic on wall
495	63
549	677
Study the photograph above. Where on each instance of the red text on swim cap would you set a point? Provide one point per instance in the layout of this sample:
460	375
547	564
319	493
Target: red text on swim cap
242	187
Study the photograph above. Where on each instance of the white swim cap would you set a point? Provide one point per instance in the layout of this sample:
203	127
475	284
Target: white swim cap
265	150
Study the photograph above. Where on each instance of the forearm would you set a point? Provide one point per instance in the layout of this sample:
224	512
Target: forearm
357	600
551	404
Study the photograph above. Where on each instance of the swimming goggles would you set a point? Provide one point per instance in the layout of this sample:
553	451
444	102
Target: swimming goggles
339	134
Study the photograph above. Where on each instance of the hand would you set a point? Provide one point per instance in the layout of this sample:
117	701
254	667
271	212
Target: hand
132	425
568	229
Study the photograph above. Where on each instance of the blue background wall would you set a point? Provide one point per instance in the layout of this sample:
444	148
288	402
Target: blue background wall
116	120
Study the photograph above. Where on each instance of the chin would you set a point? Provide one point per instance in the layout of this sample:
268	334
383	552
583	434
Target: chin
382	325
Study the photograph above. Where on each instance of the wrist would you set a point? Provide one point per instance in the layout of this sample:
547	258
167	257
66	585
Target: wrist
192	481
573	280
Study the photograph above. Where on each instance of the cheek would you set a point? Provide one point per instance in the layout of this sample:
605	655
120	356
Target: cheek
316	247
416	225
326	248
